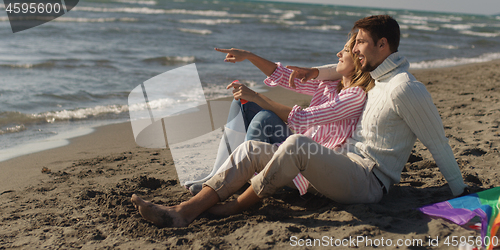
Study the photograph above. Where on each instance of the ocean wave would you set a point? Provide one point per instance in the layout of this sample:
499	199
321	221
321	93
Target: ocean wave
278	11
288	15
14	122
348	13
424	27
481	34
195	31
444	46
255	16
318	18
17	121
13	119
383	12
59	63
441	19
29	65
457	26
440	63
343	13
210	21
323	27
145	2
171	60
82	113
74	19
69	19
145	10
411	21
482	25
95	20
283	22
14	129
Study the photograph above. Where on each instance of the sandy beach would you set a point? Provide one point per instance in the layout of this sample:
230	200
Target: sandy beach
78	196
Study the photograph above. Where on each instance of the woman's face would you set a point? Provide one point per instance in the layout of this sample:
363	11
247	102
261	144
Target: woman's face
346	61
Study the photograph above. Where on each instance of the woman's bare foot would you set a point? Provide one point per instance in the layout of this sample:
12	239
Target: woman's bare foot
161	216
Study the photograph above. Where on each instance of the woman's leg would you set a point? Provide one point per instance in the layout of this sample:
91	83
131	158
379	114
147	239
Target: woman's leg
247	111
266	126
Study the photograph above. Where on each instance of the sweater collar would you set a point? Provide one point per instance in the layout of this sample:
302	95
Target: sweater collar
391	66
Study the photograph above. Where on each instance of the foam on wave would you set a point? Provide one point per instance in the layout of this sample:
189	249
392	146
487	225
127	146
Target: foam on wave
440	63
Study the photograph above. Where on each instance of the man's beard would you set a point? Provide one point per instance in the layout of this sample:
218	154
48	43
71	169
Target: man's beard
368	67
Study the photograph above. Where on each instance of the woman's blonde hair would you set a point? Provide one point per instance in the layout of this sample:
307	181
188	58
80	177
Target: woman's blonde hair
358	77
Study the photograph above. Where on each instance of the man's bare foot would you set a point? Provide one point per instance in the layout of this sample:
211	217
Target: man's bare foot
161	216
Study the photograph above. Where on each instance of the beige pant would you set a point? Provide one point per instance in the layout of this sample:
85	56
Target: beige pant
345	178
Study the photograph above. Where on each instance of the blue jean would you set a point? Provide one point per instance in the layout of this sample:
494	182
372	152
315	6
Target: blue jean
260	124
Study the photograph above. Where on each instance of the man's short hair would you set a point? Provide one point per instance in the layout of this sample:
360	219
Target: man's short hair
381	26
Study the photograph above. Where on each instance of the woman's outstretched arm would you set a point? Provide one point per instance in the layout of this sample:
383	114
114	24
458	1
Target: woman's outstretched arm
237	55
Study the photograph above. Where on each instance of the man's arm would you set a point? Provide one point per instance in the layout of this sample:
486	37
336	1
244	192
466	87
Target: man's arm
321	73
328	72
414	104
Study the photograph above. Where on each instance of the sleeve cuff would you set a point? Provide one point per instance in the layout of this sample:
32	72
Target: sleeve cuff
457	188
274	79
326	71
291	115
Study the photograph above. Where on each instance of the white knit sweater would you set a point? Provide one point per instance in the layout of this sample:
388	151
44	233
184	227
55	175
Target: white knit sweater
398	111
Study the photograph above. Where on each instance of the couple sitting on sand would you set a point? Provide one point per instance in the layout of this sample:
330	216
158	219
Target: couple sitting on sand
348	151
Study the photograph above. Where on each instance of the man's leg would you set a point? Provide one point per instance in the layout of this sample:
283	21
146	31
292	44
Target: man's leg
176	216
335	175
248	158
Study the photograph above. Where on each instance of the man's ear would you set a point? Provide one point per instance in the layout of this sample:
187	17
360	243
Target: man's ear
382	43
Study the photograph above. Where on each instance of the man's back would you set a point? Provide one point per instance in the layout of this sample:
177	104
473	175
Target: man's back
400	109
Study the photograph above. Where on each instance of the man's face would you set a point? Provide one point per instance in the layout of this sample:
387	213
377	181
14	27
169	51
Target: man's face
367	51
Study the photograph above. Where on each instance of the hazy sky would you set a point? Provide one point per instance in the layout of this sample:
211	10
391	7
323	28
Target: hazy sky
485	7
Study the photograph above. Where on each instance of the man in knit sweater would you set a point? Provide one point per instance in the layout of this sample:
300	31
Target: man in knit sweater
398	111
399	108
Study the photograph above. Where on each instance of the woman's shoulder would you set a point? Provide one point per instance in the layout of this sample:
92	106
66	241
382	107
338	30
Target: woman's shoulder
353	90
333	83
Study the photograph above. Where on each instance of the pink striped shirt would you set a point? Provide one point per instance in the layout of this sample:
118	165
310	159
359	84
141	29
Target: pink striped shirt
330	118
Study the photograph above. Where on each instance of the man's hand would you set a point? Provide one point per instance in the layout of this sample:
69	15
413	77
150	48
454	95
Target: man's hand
304	74
235	55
